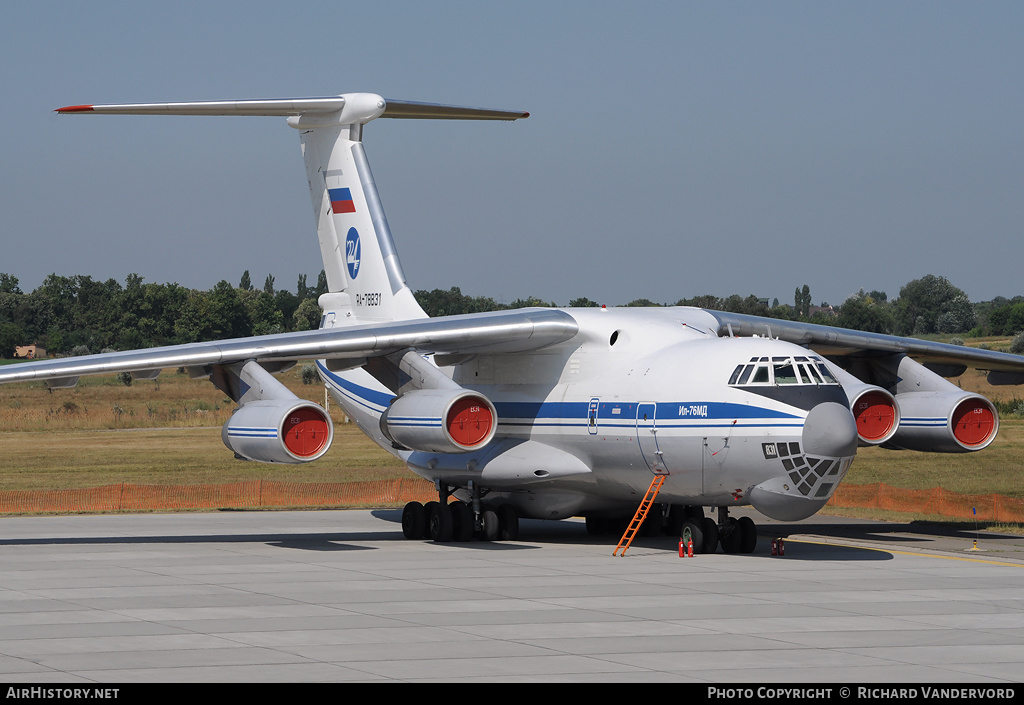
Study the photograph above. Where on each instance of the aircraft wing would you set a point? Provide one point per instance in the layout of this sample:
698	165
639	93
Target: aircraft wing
1004	368
496	332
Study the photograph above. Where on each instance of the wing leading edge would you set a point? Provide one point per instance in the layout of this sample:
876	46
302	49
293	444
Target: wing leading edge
497	332
1003	368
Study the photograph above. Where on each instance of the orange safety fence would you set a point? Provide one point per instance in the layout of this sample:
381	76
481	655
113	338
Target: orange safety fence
936	501
257	494
265	494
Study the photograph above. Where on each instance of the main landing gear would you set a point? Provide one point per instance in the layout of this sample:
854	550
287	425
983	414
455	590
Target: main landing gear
689	523
445	521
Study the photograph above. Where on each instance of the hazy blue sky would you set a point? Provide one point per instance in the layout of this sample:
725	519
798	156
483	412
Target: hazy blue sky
673	149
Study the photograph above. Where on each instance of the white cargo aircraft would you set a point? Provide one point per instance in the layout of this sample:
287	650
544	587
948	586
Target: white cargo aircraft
552	413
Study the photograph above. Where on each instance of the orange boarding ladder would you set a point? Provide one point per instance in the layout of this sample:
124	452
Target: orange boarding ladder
641	514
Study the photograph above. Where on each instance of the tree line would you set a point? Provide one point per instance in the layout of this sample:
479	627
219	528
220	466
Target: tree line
79	315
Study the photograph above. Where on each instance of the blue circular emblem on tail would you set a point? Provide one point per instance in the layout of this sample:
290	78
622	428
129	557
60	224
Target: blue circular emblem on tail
352	252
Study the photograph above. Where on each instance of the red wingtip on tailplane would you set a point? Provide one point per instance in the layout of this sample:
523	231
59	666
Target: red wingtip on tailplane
74	109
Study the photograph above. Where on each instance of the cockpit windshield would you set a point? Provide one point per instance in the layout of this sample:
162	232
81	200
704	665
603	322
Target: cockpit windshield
805	370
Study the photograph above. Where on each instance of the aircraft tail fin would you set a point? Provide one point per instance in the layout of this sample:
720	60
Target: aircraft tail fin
365	280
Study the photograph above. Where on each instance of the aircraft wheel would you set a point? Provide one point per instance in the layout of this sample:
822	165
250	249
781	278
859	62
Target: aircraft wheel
414	520
462	520
508	523
731	539
748	535
489	525
441	523
710	535
692	531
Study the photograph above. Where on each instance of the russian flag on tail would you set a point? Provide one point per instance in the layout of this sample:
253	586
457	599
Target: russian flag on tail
341	200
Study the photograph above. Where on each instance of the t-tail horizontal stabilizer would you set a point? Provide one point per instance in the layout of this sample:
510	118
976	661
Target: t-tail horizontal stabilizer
353	107
365	280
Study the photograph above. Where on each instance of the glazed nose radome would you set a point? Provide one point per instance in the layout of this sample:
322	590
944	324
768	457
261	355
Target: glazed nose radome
830	431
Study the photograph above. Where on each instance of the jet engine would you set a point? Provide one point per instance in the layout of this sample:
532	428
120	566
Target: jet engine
933	415
945	422
875	409
279	431
440	420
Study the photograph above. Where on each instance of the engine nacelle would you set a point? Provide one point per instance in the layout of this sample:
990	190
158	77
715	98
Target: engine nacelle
279	431
945	422
440	420
877	414
875	410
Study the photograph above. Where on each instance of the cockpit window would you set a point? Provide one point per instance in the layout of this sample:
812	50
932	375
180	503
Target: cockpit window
829	378
810	372
803	370
785	373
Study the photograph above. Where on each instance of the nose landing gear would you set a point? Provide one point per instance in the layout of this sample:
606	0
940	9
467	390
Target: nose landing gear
737	535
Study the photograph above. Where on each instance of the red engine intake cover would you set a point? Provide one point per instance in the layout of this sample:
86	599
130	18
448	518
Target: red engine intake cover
306	432
973	422
875	416
469	421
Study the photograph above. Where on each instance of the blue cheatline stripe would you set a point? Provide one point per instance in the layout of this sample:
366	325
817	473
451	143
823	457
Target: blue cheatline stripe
606	429
923	422
361	395
252	432
666	411
575	413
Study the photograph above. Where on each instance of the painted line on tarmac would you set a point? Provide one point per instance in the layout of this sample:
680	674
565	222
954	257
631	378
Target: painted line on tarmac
908	553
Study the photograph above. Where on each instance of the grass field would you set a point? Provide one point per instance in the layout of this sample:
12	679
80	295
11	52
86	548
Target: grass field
167	431
163	431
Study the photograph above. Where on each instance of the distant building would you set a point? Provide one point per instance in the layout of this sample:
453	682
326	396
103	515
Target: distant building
30	352
825	310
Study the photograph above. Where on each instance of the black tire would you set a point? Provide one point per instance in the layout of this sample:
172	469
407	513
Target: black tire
462	520
692	531
508	523
748	535
414	521
441	523
731	538
489	525
710	535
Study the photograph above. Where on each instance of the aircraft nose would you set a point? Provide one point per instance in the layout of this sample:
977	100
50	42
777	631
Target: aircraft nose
830	431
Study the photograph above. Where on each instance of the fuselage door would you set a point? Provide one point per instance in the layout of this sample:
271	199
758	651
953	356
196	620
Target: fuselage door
592	416
647	436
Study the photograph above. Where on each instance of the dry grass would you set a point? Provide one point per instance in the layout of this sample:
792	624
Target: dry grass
103	402
154	432
910	517
997	469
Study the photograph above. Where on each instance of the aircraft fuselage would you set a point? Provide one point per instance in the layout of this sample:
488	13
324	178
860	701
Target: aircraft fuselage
633	394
